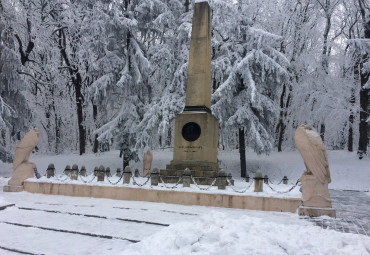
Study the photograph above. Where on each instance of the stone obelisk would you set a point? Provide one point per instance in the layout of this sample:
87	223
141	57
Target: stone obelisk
196	129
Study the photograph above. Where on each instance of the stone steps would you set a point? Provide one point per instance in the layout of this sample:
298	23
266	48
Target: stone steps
198	180
194	173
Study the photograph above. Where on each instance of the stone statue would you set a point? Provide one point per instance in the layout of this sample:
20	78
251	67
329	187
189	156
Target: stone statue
22	168
315	178
313	152
147	162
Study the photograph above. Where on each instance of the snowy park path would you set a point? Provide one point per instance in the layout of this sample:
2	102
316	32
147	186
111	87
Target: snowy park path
69	225
46	224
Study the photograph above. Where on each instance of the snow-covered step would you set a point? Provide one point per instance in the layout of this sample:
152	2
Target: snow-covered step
155	215
37	241
78	223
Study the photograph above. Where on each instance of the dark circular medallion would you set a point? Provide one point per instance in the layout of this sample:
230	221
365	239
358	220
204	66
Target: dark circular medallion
191	131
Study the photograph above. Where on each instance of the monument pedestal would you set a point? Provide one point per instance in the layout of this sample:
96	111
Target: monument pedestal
196	141
316	211
315	198
10	188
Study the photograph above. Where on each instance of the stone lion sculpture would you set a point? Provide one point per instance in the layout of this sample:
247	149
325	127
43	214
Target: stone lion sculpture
22	168
147	162
316	177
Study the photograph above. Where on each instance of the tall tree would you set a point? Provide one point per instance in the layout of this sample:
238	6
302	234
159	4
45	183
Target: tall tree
364	72
246	97
15	115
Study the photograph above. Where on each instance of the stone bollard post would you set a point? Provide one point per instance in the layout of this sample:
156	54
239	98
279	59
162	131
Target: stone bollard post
266	179
221	179
101	173
136	172
107	172
230	178
127	175
67	170
258	182
118	173
74	172
247	178
154	179
186	178
50	171
285	180
96	171
83	171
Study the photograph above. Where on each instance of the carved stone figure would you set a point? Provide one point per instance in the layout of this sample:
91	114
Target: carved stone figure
313	152
22	168
147	162
315	178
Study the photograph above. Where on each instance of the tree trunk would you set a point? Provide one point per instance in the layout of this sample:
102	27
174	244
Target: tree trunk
351	116
126	161
364	115
364	92
77	84
322	131
243	164
280	127
187	3
79	103
96	142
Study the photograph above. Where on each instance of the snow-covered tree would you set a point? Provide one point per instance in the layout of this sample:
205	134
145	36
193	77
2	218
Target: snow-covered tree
247	97
169	61
14	111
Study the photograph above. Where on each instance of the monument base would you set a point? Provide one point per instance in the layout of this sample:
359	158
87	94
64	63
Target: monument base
195	147
203	172
277	204
316	211
10	188
314	193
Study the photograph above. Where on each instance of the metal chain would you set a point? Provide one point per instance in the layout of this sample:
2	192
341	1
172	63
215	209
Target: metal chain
274	183
239	191
115	183
68	176
140	185
214	181
44	173
80	176
283	192
173	187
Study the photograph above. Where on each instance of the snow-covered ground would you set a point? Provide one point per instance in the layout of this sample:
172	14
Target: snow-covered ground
45	224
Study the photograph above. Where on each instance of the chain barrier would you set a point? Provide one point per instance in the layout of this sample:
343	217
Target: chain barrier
173	187
179	181
63	180
44	173
214	181
239	191
283	192
274	183
140	185
82	179
115	183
